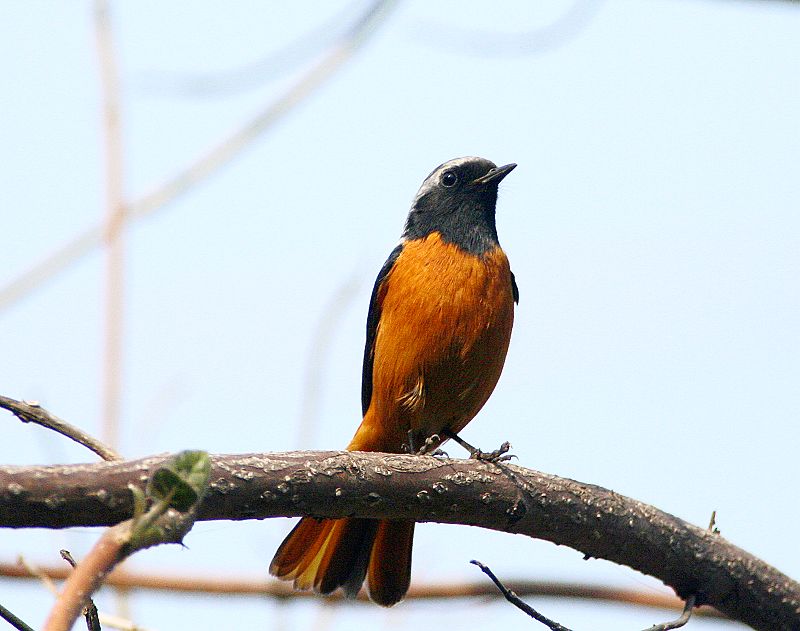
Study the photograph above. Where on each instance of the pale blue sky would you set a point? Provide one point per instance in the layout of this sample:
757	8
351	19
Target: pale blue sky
653	225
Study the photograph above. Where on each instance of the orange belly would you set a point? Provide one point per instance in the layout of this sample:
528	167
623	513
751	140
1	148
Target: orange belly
445	326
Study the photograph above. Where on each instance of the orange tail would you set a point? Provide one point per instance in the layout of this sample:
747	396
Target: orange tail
323	554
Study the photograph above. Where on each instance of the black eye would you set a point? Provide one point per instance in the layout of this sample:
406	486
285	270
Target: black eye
449	178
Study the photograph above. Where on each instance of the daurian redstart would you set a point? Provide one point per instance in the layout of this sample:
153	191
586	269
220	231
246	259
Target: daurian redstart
438	329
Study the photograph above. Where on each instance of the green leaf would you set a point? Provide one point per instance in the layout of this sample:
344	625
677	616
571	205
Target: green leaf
139	501
181	481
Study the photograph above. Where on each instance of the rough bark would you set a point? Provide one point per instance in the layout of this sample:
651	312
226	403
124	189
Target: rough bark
588	518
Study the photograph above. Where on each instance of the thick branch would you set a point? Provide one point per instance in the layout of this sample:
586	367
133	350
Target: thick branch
593	520
174	491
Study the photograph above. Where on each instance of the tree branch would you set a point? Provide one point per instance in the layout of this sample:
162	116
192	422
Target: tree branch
32	412
511	596
11	619
210	161
90	612
174	491
264	587
515	600
595	521
114	222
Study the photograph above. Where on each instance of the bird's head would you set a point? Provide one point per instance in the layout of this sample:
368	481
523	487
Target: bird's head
458	201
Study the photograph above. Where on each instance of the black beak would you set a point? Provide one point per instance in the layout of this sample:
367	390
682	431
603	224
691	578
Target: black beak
495	175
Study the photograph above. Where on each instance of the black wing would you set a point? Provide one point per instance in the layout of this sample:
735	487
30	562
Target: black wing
373	317
514	288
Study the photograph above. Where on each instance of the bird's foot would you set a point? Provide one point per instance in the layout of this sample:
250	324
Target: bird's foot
430	447
498	455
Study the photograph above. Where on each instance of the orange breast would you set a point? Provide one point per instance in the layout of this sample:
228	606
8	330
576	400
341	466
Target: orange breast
445	325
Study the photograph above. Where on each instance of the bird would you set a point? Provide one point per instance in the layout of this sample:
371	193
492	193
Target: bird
438	331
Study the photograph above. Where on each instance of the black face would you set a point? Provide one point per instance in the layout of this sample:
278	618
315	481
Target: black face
458	201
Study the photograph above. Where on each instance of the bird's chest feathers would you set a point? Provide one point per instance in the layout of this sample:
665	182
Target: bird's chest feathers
440	302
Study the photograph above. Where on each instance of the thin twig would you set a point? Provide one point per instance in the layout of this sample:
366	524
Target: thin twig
15	622
162	523
90	610
46	576
515	600
679	622
87	577
219	155
32	412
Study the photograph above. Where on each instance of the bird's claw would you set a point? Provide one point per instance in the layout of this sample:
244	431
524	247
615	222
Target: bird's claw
430	446
498	455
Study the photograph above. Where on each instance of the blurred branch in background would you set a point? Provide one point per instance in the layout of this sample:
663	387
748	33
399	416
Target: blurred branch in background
491	43
228	148
114	232
419	591
256	73
164	512
219	155
47	576
316	363
558	33
114	225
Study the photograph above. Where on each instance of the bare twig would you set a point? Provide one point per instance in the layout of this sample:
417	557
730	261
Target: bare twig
90	610
219	155
515	600
679	622
87	577
114	223
15	622
32	412
67	556
26	569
